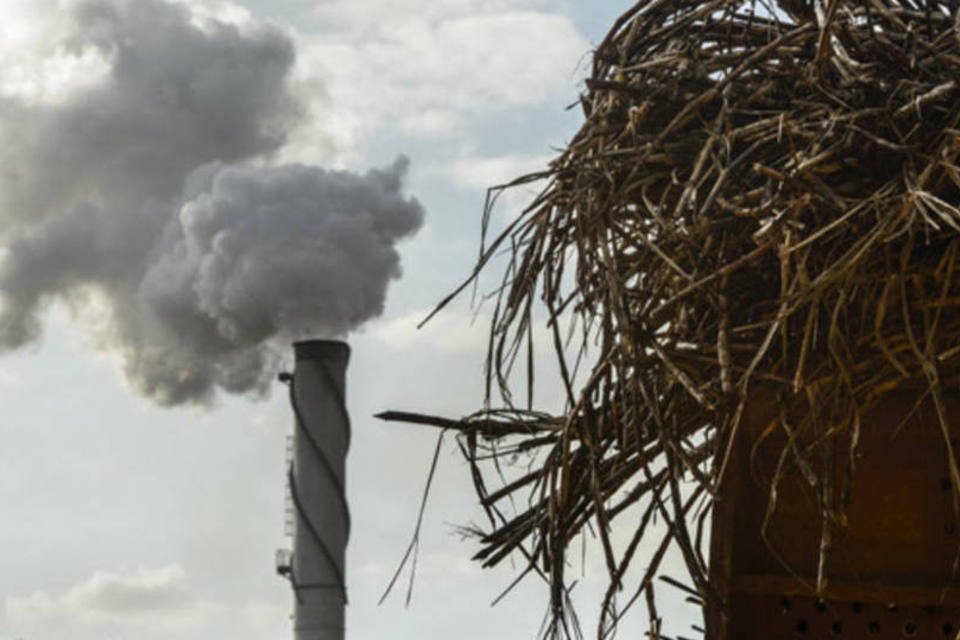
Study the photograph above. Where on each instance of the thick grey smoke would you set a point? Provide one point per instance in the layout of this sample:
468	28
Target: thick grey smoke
133	193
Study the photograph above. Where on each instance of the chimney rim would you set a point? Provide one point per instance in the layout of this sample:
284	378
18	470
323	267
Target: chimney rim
321	350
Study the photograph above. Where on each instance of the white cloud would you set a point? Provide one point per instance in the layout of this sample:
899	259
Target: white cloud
481	173
9	377
108	594
205	11
37	66
147	590
148	604
367	14
420	71
453	331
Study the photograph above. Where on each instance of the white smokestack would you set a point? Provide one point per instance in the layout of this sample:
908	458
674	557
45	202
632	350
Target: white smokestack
317	489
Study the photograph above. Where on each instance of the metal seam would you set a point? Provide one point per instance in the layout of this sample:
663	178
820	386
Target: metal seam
331	476
295	496
318	450
338	395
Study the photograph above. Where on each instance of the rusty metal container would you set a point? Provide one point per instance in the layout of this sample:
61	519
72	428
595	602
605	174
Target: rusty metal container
893	571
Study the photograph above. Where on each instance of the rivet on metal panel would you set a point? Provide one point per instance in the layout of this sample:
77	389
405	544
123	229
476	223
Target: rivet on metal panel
785	605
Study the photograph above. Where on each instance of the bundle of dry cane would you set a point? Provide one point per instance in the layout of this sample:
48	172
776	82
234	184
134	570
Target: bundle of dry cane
762	196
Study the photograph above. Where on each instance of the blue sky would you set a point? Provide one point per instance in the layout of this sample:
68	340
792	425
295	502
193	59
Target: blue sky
124	520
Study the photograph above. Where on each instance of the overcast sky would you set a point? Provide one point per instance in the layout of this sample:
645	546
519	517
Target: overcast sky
123	519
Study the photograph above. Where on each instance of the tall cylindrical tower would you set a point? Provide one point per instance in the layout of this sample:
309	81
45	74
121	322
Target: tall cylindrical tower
317	490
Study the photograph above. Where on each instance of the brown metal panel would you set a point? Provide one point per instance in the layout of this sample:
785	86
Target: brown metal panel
899	546
795	617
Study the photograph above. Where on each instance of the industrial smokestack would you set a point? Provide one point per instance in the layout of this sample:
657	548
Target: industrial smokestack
145	200
317	492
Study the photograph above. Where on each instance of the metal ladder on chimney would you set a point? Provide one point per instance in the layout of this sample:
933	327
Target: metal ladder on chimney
284	557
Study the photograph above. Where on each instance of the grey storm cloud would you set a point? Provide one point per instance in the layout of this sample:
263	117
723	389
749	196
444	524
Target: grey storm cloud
134	192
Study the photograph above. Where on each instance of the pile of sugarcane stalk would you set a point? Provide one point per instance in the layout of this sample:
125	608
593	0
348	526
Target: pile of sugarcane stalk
762	196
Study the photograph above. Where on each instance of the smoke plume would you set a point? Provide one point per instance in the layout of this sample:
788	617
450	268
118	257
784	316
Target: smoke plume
147	194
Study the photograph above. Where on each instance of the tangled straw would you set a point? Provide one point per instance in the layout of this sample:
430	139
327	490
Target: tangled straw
762	196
